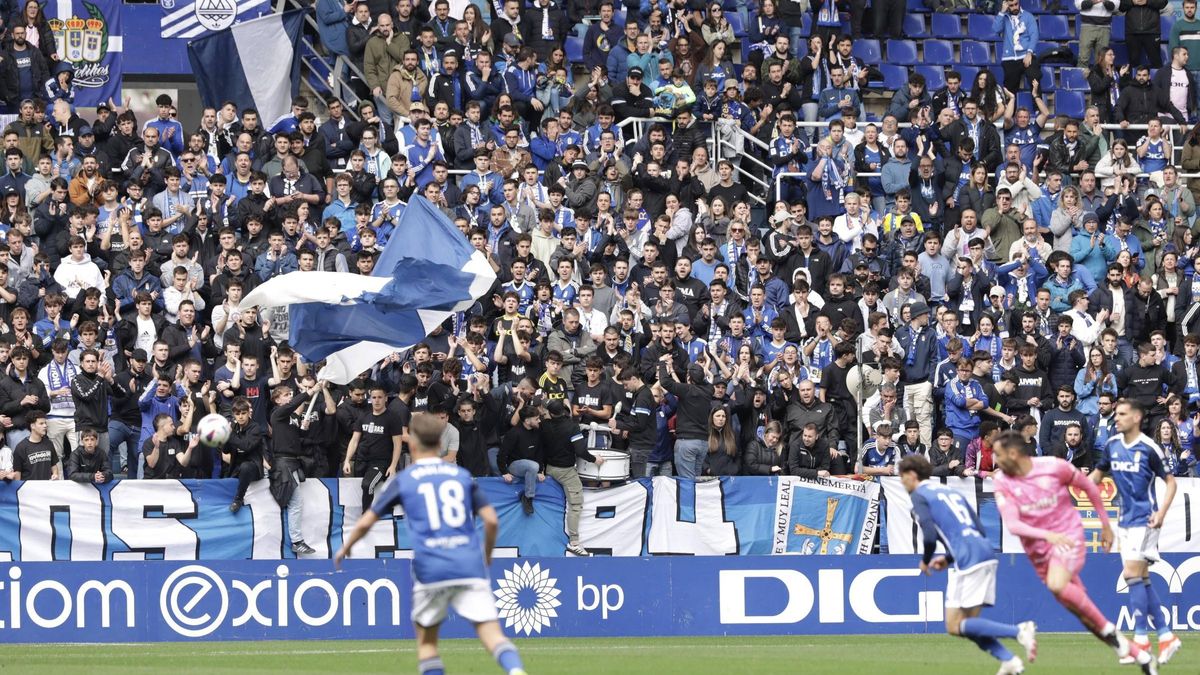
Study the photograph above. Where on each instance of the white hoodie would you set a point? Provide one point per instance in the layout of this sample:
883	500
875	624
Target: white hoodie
78	275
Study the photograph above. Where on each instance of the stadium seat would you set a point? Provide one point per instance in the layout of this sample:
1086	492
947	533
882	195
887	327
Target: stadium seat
894	77
1165	22
1054	27
914	27
1069	103
979	27
1120	52
1048	79
867	50
969	73
1073	79
1025	100
976	53
901	52
946	27
938	52
917	6
574	49
735	22
1118	31
935	76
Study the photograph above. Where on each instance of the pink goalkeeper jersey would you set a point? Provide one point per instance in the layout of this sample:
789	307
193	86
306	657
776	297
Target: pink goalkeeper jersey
1038	502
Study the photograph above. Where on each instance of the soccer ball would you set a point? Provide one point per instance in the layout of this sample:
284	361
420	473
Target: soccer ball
213	430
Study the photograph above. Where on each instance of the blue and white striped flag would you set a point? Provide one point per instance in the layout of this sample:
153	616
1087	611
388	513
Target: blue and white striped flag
190	19
427	272
254	64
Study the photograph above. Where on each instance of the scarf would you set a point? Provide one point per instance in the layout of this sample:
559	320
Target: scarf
832	180
60	377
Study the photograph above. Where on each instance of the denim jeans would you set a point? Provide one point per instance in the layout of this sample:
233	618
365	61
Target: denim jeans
526	469
14	436
689	457
118	433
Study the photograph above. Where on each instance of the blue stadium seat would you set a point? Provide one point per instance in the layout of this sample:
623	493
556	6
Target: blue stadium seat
1073	79
1025	100
938	52
1120	52
902	52
1032	6
894	77
1165	22
1047	79
574	49
867	50
976	53
1069	103
1118	31
620	14
946	27
917	6
914	27
979	27
1054	27
969	73
735	22
935	76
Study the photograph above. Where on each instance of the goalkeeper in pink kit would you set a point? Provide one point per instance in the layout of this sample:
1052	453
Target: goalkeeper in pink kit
1036	506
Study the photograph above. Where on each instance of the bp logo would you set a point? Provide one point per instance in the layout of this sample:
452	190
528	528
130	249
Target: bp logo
527	597
83	42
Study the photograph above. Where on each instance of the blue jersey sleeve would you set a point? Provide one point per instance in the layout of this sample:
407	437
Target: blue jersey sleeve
928	528
1157	468
1105	463
388	499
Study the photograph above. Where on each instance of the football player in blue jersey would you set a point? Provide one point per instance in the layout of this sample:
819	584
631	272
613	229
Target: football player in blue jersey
1134	462
449	565
945	515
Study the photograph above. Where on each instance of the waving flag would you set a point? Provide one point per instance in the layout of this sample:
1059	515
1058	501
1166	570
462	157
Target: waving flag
191	19
254	64
427	272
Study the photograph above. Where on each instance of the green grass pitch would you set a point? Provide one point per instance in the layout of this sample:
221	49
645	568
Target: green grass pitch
1058	654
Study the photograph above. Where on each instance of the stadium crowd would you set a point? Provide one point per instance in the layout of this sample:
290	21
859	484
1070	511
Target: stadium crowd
917	284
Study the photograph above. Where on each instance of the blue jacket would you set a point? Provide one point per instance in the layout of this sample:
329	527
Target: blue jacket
153	406
1021	31
332	21
1059	292
1092	258
920	353
125	287
961	421
617	67
174	144
520	84
1113	248
828	107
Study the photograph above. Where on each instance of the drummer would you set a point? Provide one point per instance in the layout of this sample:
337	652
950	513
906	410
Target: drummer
564	444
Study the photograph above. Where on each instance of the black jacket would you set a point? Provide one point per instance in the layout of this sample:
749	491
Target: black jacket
804	461
640	422
695	402
990	148
83	466
91	394
13	390
758	459
521	443
563	442
245	444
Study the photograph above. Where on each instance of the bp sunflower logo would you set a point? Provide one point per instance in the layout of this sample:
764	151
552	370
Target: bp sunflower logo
527	597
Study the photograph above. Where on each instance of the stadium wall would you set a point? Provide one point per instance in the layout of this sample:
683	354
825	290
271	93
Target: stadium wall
538	597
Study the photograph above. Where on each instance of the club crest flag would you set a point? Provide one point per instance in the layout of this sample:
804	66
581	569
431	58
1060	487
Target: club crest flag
88	36
825	517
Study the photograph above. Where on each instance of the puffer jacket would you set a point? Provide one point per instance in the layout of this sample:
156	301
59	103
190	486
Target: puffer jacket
1142	19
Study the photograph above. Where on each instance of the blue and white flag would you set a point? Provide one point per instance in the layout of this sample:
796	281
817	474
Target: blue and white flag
427	272
88	35
190	19
254	64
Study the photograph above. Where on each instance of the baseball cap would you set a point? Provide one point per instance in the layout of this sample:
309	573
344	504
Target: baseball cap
997	290
86	131
634	72
10	190
512	40
780	217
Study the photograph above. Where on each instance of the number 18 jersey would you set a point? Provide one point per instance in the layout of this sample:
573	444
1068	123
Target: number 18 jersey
440	501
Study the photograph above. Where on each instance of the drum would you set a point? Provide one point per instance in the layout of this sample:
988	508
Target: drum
615	467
